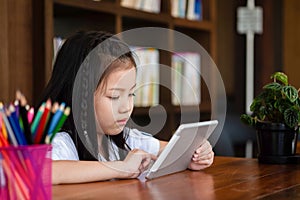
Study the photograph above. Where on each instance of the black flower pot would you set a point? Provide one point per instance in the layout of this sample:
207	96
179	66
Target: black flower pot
277	143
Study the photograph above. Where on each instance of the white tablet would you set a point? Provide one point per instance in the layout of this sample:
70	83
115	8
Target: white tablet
177	154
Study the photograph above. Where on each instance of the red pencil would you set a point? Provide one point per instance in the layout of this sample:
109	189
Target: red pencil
12	165
42	123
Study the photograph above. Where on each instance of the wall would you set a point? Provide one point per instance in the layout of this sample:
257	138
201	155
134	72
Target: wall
291	40
225	42
16	49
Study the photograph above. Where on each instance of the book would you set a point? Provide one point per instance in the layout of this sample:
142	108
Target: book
147	89
194	10
190	9
144	5
186	76
178	8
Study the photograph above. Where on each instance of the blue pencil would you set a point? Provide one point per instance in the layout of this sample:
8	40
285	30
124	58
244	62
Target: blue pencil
14	128
56	118
14	122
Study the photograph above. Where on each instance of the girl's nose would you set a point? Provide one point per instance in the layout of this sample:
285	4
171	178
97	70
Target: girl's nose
126	105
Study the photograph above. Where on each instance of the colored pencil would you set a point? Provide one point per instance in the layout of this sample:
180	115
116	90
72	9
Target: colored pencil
3	183
61	122
37	119
30	115
2	128
12	158
14	128
42	123
1	122
14	122
16	105
7	125
54	109
56	118
20	186
23	114
4	131
14	164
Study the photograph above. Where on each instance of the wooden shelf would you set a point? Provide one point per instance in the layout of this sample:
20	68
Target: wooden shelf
114	8
148	16
105	7
196	25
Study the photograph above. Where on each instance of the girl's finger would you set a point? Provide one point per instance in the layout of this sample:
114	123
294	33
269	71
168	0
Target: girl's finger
208	156
205	162
204	147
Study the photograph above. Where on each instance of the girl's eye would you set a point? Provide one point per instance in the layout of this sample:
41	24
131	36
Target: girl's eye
132	94
113	97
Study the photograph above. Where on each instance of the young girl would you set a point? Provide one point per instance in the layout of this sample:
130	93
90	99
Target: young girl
94	144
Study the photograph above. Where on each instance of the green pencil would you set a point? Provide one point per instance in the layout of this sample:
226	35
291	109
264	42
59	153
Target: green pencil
37	118
60	123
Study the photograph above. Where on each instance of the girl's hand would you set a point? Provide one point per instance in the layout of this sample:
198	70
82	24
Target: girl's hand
202	158
136	162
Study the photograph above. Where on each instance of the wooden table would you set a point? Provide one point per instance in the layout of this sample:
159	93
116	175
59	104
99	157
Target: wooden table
227	178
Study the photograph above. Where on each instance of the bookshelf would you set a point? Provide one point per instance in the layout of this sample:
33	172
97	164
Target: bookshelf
63	17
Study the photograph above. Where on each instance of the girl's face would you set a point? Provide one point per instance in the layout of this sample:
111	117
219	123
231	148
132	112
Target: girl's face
114	102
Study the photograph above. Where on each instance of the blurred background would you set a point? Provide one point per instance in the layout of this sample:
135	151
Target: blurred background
29	27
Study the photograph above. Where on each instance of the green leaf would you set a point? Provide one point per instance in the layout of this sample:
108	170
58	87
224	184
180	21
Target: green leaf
297	102
291	117
255	105
290	92
284	105
263	111
248	120
272	86
281	77
278	104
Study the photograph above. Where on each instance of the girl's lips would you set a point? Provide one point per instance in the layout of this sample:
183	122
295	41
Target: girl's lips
122	121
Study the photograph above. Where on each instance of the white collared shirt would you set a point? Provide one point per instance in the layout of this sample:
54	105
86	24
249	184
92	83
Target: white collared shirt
63	147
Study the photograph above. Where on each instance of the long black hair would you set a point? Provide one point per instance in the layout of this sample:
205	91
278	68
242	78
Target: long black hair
60	87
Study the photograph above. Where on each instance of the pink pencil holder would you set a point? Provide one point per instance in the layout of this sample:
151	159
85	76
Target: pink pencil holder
25	172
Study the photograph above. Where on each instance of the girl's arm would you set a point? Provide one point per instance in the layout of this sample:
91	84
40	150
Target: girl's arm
67	171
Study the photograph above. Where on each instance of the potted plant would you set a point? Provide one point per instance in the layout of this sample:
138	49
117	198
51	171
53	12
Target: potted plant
276	118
